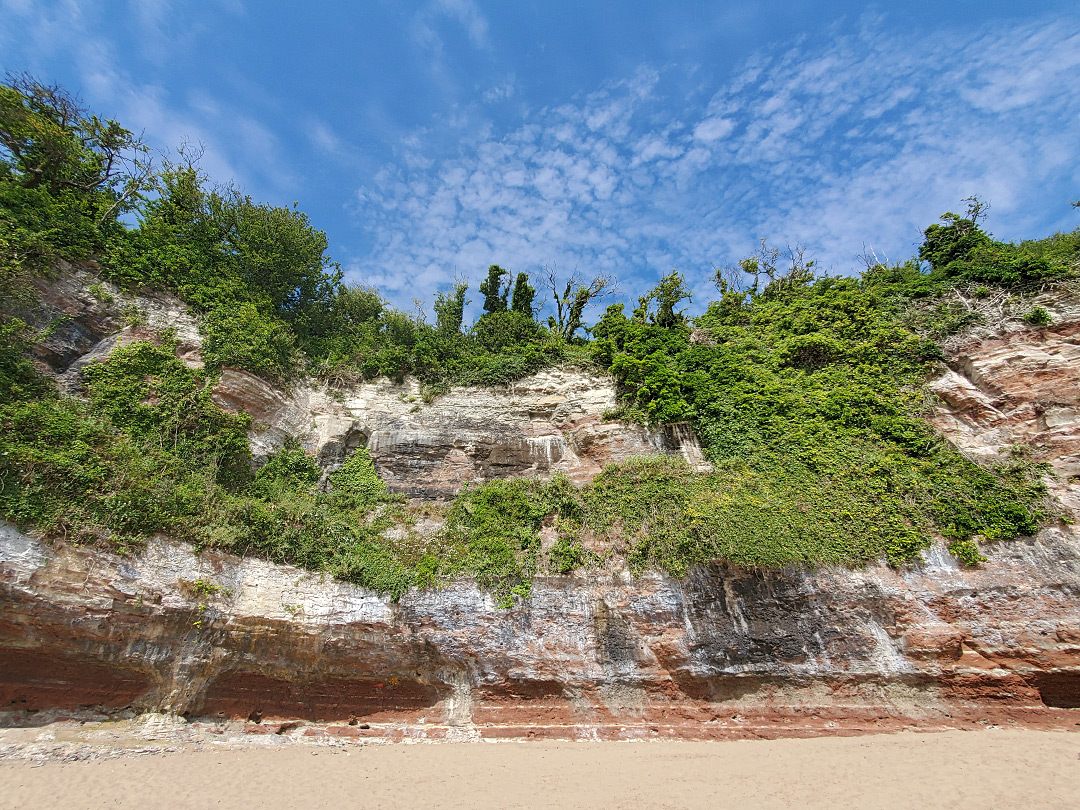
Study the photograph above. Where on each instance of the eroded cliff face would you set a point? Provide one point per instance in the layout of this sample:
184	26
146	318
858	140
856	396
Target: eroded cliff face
550	423
725	652
1011	387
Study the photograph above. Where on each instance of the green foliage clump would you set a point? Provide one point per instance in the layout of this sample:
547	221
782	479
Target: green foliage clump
65	175
18	378
1038	316
146	453
496	526
967	551
243	337
960	249
257	274
290	470
806	396
356	483
498	331
450	311
524	294
492	289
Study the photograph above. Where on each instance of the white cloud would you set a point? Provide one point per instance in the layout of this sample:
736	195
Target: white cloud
238	146
463	12
713	129
503	91
866	141
469	17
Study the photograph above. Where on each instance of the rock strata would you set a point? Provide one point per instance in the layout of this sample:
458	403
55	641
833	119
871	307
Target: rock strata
726	652
549	423
1017	389
80	319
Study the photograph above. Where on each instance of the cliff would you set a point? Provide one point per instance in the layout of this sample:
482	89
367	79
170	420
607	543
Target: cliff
551	422
723	652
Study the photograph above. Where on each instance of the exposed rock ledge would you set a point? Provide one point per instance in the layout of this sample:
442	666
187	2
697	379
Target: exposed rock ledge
1018	386
548	423
724	653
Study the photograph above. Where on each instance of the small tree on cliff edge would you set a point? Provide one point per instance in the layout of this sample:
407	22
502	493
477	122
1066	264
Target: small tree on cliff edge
495	294
575	297
450	309
524	294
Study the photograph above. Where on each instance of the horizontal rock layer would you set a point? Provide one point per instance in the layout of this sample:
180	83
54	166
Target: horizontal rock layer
548	423
726	652
1017	388
545	424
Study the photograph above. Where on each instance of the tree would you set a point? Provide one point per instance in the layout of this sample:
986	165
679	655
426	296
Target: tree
768	263
278	252
524	294
450	310
576	296
668	293
952	242
494	293
49	140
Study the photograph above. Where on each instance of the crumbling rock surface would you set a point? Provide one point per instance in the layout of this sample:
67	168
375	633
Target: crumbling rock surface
1018	387
80	319
724	653
548	423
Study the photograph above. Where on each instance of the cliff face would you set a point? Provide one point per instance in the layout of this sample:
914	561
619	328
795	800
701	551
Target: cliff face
1016	386
549	423
725	652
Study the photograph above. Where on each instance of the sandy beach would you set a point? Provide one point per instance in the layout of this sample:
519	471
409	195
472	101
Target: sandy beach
994	768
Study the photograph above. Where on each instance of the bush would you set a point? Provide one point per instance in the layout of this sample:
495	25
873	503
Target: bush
497	331
1038	317
356	485
967	552
240	336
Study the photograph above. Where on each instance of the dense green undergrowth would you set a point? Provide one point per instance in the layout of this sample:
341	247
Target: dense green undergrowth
807	392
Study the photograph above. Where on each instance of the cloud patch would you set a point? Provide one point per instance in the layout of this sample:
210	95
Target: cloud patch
864	142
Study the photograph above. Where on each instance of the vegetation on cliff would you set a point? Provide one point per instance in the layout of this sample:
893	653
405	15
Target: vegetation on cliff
806	390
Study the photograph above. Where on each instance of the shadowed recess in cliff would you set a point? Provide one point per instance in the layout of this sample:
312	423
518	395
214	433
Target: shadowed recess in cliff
256	695
39	678
1059	689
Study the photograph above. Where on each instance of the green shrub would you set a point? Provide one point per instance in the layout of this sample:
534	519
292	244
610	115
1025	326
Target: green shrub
1038	317
497	331
240	336
967	552
356	484
289	470
19	379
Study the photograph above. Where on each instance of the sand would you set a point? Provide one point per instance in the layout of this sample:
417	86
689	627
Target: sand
995	768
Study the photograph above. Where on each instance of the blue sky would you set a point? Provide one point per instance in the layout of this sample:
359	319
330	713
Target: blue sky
431	139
